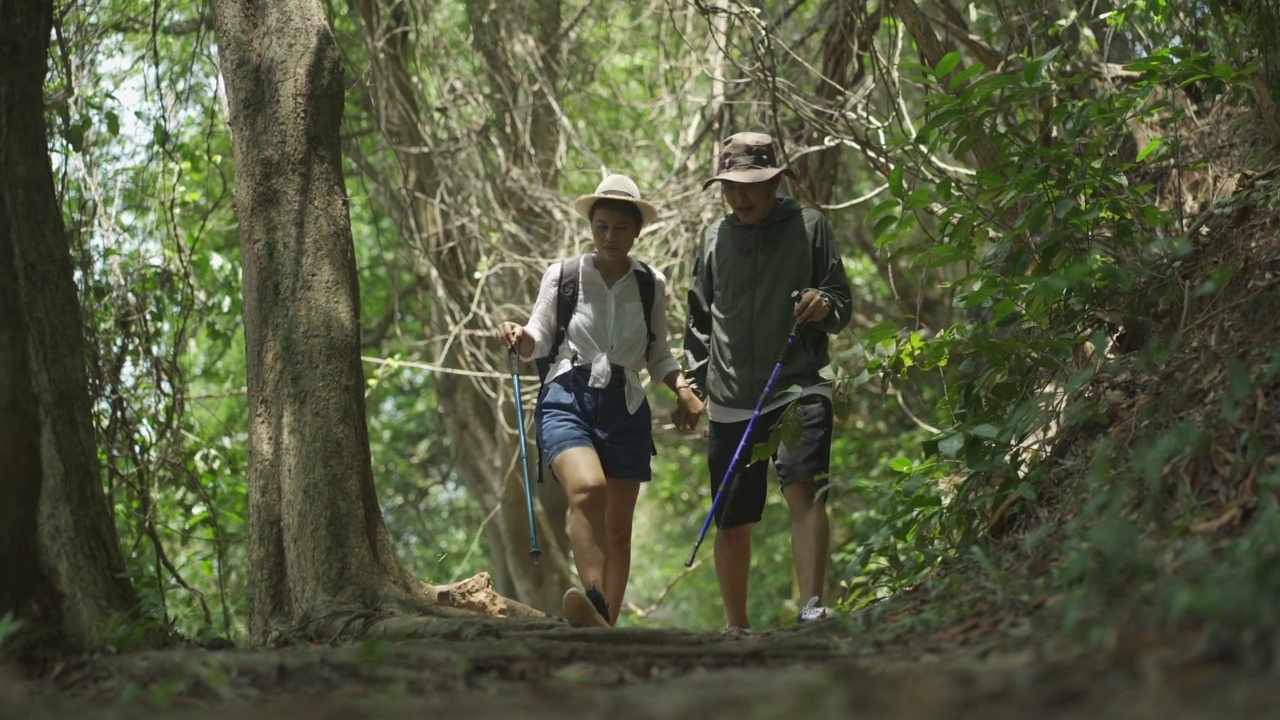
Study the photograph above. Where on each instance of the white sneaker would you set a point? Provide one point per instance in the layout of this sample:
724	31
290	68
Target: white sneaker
736	632
814	612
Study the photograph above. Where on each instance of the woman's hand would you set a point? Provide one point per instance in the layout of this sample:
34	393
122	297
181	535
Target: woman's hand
514	336
688	409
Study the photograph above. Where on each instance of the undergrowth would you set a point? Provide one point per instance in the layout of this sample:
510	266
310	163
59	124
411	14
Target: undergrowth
1105	450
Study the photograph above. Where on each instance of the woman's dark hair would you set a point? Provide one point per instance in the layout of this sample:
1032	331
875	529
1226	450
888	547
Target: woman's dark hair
620	206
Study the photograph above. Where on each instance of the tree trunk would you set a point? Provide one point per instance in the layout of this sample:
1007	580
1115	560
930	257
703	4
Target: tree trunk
58	546
26	589
482	449
317	544
845	43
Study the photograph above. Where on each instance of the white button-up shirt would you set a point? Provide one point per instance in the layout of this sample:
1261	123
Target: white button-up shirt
607	328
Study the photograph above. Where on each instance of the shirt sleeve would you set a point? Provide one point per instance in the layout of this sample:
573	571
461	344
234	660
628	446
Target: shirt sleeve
542	322
830	279
697	327
661	361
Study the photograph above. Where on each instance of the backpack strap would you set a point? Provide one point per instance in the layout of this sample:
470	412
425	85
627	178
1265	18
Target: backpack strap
566	301
647	285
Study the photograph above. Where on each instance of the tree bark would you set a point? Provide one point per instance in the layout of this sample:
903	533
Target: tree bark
58	545
846	41
931	51
482	449
26	590
318	547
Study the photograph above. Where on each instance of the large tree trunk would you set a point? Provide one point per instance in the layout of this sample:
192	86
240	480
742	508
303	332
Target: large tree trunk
482	449
318	547
58	546
25	587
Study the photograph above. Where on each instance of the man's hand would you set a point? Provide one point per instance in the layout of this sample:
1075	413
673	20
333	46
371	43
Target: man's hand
812	306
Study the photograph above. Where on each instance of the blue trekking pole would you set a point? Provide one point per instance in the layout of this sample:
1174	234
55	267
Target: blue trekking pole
729	475
524	457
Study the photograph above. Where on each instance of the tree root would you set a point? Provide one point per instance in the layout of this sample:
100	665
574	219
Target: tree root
477	594
468	609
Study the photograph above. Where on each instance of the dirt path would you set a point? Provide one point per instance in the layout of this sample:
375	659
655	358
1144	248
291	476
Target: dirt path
492	671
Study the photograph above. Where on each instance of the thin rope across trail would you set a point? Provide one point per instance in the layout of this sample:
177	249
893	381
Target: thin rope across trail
436	368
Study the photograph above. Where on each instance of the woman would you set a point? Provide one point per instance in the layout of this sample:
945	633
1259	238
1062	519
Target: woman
593	421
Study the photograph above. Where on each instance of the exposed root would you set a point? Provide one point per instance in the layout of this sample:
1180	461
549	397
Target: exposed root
477	594
459	610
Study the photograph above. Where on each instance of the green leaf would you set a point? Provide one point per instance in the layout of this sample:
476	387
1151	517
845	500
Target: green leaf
947	64
1153	215
75	137
984	431
1150	148
925	501
1064	206
901	464
967	73
880	333
917	200
884	224
895	181
9	624
882	207
951	444
1002	310
944	190
1026	491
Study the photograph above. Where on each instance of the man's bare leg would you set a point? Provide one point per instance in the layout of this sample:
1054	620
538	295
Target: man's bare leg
810	537
733	565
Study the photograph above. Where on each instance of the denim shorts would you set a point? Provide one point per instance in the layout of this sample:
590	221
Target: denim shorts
572	414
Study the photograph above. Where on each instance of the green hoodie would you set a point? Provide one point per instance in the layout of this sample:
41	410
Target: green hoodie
741	309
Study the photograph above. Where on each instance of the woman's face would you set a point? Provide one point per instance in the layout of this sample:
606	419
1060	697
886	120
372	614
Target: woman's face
614	232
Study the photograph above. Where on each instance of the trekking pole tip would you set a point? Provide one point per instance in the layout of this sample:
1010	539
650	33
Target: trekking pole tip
536	554
692	554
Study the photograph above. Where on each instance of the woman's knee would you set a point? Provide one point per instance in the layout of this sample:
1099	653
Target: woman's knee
619	535
578	470
586	492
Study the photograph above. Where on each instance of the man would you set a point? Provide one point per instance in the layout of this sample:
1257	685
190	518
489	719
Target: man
769	264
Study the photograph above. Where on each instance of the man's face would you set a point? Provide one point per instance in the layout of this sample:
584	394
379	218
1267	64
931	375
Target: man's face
750	202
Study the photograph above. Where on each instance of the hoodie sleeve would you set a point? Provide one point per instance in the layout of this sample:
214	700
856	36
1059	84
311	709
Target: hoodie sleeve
697	327
829	276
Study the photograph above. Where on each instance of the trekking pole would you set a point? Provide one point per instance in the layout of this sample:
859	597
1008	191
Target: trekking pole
746	438
524	457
